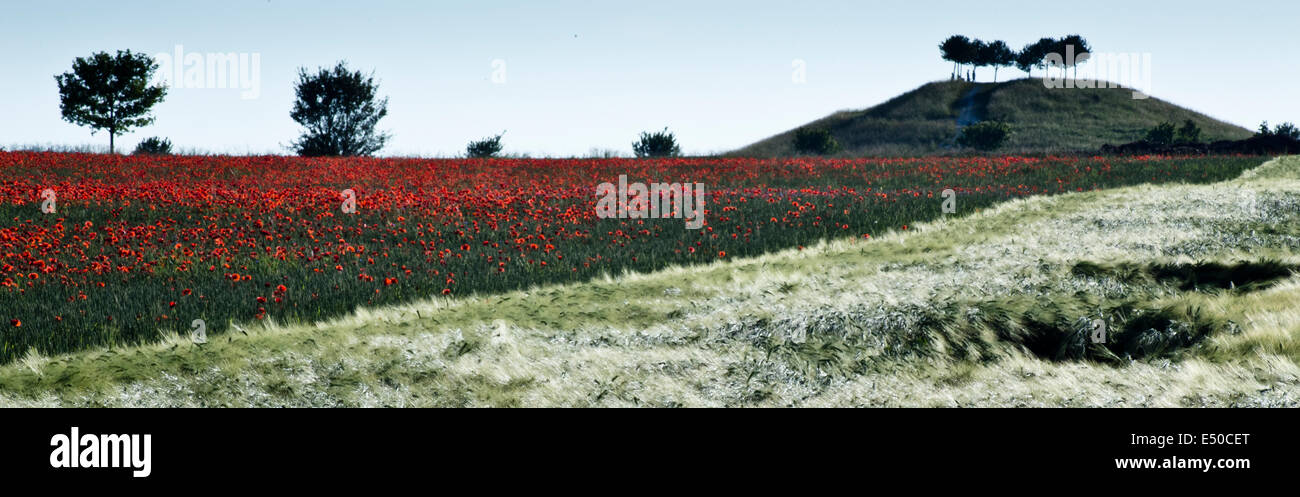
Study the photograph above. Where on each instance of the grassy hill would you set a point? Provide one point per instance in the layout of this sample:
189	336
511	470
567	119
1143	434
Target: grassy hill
924	120
986	309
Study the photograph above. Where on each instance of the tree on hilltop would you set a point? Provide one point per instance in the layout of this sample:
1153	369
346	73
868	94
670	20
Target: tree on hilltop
1035	54
960	50
997	54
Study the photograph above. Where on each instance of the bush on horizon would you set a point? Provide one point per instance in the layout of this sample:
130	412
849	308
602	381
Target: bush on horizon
153	146
657	144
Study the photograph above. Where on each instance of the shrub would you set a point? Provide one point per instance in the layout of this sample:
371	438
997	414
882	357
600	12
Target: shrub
1162	134
1287	130
1284	130
1189	133
153	146
485	148
658	144
987	135
817	141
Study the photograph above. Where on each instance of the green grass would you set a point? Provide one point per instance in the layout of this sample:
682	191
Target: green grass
923	121
982	309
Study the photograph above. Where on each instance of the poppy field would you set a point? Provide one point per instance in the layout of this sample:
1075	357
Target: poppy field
102	250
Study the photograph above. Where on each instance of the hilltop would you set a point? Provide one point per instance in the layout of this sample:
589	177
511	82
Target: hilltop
925	120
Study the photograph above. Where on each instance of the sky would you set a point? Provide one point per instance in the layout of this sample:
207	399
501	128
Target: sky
561	78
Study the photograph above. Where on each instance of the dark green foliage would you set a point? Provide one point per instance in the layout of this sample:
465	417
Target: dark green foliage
1034	54
110	92
1079	45
988	135
982	54
815	141
1287	130
485	148
657	144
1066	51
339	109
1161	134
960	50
1284	130
1165	133
996	54
1189	133
153	146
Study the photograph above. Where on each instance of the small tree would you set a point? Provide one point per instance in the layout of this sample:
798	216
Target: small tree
817	141
1080	47
988	135
983	56
956	48
658	144
1025	60
485	148
1034	54
109	92
1189	133
1162	134
153	146
339	109
998	54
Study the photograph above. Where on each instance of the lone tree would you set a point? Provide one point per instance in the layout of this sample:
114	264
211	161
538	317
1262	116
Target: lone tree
339	109
658	144
110	92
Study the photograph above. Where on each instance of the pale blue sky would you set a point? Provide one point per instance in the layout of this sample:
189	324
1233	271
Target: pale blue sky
716	73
